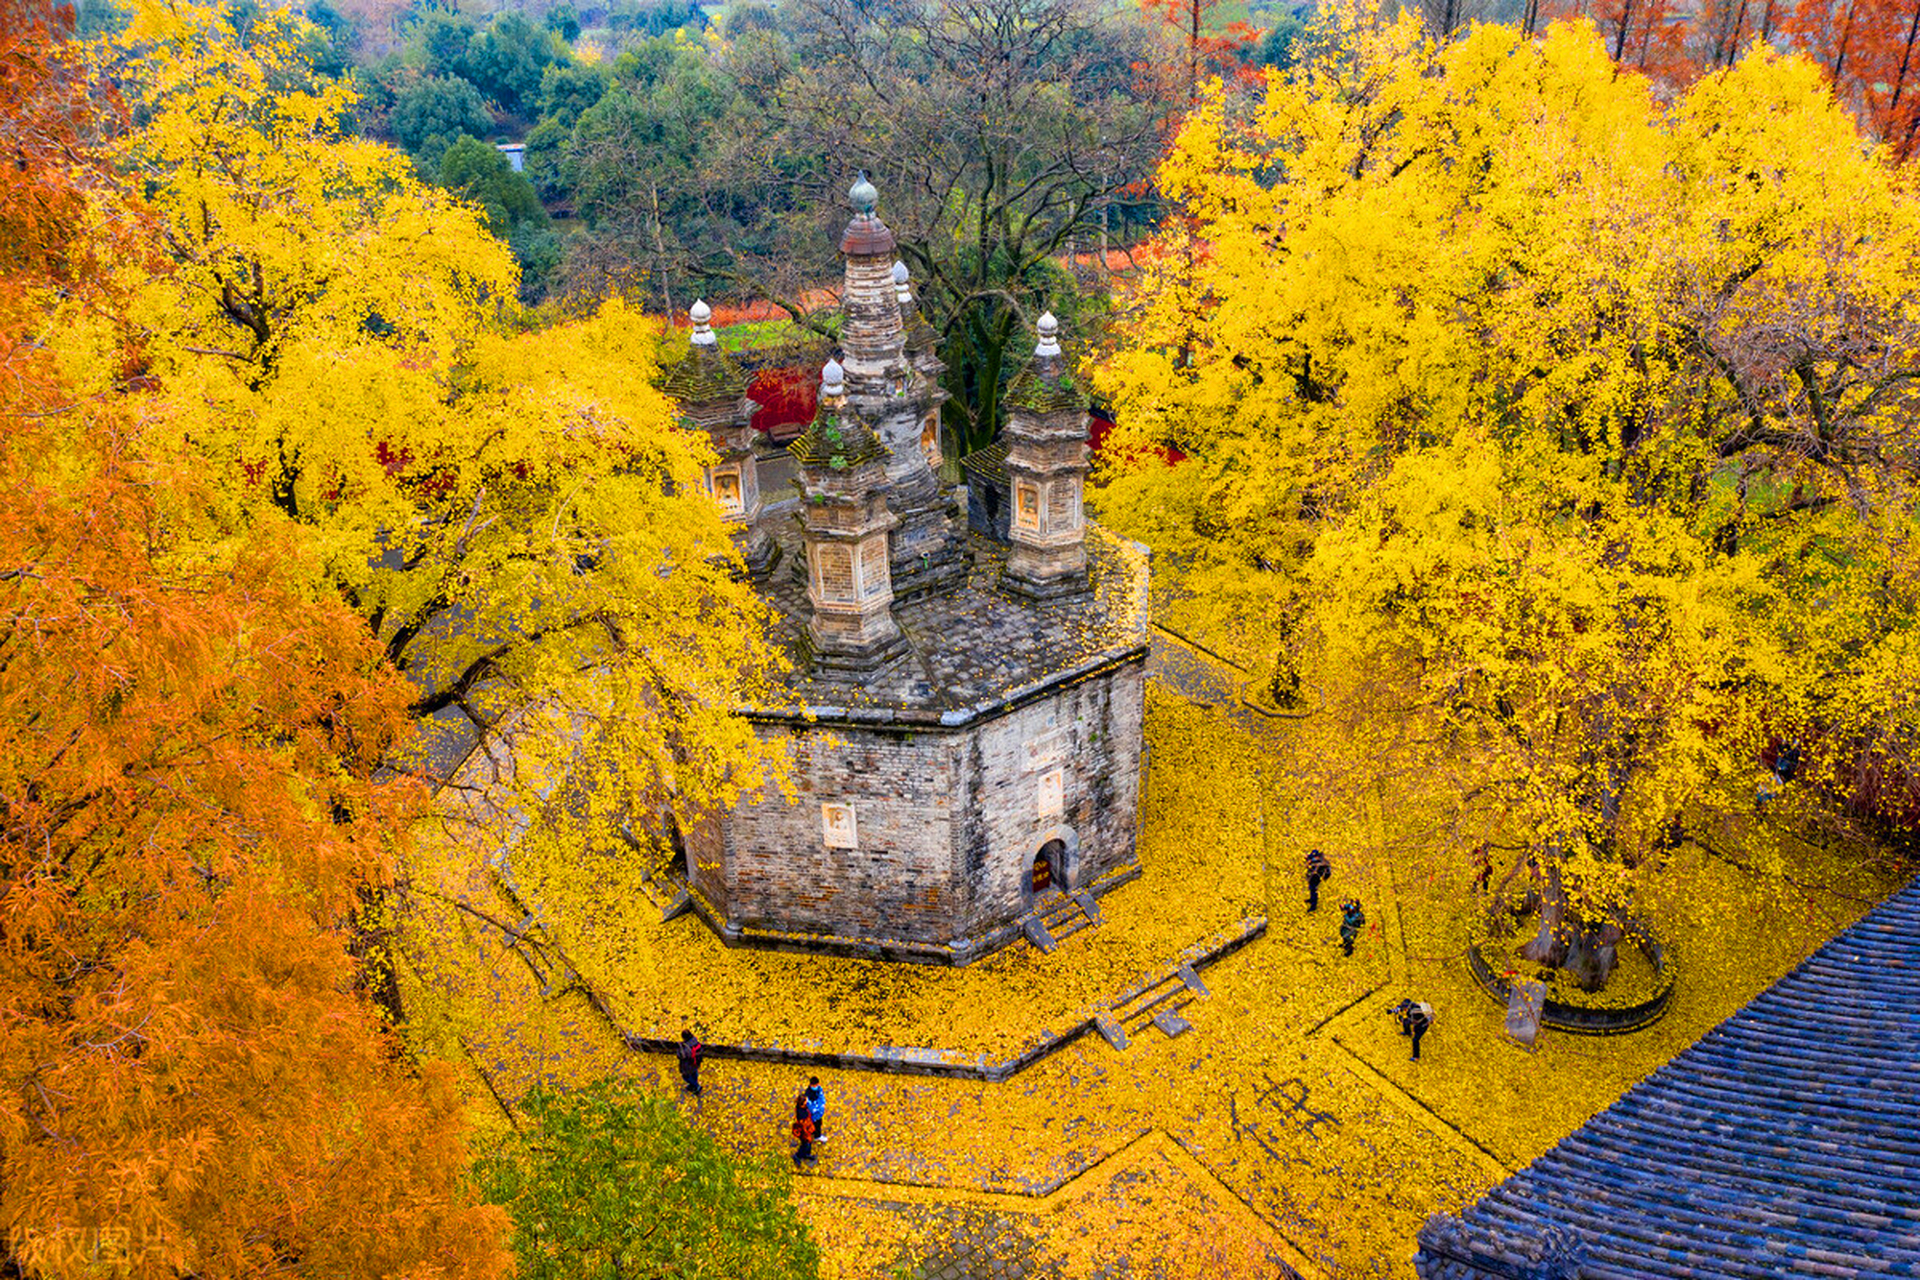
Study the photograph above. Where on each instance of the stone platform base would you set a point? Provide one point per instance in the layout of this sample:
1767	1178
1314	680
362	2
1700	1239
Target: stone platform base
960	953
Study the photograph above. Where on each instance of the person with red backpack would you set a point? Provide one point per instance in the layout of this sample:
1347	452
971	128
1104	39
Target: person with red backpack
816	1107
803	1132
689	1055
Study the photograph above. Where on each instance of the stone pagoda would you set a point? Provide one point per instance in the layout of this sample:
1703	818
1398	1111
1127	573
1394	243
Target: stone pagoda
1046	465
845	524
921	345
711	390
964	708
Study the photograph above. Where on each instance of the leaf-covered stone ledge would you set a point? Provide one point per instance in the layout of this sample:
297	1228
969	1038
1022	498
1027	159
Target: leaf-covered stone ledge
905	1060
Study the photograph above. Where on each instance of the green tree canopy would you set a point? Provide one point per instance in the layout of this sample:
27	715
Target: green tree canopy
441	37
567	89
481	173
613	1181
428	114
507	60
564	21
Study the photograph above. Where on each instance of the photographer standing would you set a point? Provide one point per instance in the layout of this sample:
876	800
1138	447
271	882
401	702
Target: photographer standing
1352	920
1415	1018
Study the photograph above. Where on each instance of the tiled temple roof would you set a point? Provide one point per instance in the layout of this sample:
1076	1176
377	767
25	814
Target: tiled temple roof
920	337
1786	1142
988	464
1046	385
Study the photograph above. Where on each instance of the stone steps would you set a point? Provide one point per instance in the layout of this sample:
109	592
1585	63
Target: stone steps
1158	1005
1060	918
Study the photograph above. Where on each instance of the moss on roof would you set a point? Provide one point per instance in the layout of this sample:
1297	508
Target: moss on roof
1046	385
837	442
920	335
705	374
989	463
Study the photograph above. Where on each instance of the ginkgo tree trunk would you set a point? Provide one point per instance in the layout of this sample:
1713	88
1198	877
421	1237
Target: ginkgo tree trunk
1579	418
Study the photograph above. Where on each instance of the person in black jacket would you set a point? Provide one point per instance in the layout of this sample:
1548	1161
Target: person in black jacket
689	1055
1318	869
1415	1018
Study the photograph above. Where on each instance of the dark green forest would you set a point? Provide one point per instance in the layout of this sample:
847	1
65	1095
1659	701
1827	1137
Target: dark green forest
670	151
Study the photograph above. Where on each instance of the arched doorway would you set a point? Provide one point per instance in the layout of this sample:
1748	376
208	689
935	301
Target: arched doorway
1049	871
677	842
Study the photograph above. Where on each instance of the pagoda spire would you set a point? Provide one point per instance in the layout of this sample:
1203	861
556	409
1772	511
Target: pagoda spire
873	338
897	395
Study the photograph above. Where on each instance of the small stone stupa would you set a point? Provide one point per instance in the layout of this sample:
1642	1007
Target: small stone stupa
845	525
1046	465
711	390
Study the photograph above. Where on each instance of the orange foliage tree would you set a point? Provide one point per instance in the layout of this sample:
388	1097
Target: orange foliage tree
1871	48
1207	46
192	1078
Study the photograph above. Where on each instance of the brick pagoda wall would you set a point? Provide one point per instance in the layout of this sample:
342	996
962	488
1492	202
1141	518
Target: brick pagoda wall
948	823
1098	725
768	867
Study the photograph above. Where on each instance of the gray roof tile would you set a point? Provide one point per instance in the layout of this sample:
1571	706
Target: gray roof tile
1786	1142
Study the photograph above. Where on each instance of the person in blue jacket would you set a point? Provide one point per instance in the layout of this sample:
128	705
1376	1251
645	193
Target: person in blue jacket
816	1106
1351	922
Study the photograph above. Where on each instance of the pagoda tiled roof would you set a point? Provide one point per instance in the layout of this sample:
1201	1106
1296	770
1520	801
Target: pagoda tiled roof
866	236
836	438
1046	385
1786	1142
988	464
920	336
703	375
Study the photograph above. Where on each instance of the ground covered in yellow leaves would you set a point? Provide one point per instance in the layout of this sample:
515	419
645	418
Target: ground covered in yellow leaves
1191	890
1287	1126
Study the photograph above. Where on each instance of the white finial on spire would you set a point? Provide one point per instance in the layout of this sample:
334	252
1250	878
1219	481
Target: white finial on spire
700	313
862	194
900	289
833	380
1049	344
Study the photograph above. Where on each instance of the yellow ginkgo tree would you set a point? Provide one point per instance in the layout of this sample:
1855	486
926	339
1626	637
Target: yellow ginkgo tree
1580	419
509	506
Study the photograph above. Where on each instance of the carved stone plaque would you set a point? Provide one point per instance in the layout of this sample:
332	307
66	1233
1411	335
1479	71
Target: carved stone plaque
838	827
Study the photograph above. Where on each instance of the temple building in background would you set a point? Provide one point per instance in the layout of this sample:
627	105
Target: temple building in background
967	691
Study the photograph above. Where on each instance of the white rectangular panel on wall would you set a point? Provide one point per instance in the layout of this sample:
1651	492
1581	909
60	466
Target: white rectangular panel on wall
837	826
1045	749
1052	794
